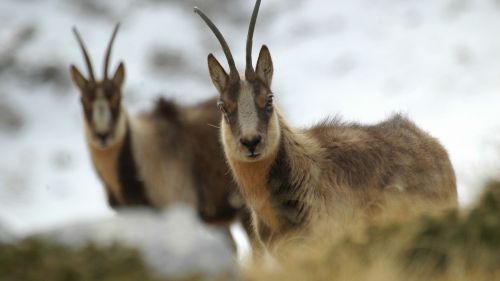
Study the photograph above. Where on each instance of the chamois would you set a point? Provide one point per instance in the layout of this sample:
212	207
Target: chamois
291	178
165	156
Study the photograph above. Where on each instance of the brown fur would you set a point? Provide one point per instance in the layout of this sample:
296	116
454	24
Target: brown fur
335	165
179	160
166	156
190	139
292	179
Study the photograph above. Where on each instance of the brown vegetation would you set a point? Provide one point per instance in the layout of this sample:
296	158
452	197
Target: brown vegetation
405	243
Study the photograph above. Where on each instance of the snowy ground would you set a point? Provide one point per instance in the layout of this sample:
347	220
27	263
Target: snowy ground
436	61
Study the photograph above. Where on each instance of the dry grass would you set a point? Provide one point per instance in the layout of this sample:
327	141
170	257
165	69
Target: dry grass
410	241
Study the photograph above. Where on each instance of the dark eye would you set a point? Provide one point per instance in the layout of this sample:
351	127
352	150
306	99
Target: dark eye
220	106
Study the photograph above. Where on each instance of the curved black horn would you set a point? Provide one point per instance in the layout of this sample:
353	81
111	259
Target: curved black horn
85	54
249	71
108	51
233	72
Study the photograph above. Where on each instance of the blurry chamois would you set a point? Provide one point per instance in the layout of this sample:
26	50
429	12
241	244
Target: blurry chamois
165	156
291	178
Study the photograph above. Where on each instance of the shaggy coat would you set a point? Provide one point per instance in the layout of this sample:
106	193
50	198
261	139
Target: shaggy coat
170	155
315	170
293	179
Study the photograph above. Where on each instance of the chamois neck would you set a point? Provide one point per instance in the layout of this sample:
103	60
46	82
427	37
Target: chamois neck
298	147
277	187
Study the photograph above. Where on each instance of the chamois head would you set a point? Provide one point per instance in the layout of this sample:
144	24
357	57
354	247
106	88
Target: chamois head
101	99
250	125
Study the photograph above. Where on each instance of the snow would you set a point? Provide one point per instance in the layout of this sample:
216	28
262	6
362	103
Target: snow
174	242
436	61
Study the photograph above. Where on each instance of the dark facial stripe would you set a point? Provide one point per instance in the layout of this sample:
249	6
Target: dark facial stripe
232	96
264	114
133	190
87	110
286	198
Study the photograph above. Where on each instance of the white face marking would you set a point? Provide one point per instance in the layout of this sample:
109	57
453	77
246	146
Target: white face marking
101	114
118	133
247	113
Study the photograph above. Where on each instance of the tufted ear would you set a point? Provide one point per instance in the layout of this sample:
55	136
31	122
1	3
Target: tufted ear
78	78
217	73
264	69
119	75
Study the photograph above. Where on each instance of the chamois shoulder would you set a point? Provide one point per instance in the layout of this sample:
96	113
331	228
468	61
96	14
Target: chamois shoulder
166	109
397	126
333	129
205	112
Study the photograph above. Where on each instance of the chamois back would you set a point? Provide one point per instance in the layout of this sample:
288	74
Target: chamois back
394	154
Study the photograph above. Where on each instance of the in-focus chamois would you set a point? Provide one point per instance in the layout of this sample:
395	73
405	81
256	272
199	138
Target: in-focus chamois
169	155
292	177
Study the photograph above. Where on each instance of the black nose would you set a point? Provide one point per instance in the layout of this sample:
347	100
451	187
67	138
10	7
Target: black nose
251	143
102	137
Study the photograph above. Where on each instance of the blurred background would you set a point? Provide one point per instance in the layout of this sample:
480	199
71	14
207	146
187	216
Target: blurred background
436	61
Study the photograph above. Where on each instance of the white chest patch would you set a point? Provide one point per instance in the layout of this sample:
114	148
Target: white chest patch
247	113
101	116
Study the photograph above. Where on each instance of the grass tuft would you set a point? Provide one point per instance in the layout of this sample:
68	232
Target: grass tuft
427	245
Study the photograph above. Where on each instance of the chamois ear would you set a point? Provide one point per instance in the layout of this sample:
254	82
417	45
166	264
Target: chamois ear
217	73
119	75
78	78
264	69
